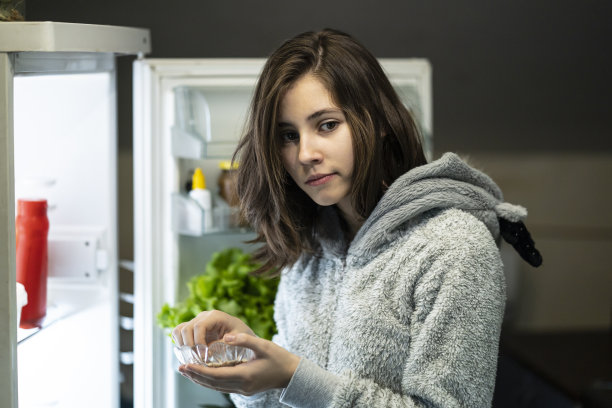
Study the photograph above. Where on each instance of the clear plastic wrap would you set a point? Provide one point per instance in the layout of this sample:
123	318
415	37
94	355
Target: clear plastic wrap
217	354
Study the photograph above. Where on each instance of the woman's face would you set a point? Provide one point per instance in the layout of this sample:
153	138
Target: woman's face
317	146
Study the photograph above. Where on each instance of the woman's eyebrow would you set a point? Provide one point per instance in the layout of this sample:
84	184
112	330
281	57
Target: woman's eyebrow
314	115
320	113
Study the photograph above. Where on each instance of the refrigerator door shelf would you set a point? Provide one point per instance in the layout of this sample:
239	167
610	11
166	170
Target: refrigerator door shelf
188	217
191	145
208	119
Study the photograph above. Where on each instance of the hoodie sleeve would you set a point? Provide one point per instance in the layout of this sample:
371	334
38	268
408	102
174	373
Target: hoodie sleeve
457	309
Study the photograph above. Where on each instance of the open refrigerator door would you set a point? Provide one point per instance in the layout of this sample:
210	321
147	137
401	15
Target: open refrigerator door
58	133
190	114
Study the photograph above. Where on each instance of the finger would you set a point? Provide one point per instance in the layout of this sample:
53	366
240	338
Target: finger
187	334
212	386
201	327
177	337
219	323
199	332
211	378
208	330
209	326
214	333
223	386
258	345
214	374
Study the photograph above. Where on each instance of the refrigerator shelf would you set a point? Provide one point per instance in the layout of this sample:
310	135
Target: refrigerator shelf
191	145
189	218
209	118
63	301
54	313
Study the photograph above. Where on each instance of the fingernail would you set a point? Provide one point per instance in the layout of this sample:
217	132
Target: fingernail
229	338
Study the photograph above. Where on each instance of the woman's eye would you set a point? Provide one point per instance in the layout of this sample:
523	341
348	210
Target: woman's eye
289	137
329	126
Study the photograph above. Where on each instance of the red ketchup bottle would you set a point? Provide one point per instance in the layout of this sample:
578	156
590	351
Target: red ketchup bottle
32	228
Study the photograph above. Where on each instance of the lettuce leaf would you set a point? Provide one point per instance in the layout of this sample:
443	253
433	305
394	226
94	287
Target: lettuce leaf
227	286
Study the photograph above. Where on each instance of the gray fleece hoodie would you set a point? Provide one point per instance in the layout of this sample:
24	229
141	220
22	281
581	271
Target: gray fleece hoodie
408	314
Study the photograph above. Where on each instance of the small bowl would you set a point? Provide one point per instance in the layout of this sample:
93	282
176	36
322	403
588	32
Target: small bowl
217	354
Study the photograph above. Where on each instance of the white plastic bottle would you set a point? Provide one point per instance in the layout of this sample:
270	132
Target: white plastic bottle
202	196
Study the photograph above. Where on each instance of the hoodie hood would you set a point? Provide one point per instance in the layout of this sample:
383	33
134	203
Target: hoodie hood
448	182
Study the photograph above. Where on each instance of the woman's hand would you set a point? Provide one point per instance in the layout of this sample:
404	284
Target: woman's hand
208	326
272	367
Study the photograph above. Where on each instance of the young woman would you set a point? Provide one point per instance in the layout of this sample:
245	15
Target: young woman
392	290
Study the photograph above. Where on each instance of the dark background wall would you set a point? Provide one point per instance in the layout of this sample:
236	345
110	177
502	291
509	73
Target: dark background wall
508	76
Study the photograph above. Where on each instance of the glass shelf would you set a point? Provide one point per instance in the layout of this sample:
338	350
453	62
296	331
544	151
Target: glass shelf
65	299
189	218
54	313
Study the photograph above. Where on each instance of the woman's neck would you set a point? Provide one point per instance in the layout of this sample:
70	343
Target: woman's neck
351	218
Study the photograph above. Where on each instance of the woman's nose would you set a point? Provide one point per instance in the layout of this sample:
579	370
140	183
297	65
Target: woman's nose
310	151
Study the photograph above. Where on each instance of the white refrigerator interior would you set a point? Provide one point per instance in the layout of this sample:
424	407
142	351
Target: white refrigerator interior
65	152
188	114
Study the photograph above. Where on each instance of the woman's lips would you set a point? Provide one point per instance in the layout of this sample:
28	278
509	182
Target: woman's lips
319	179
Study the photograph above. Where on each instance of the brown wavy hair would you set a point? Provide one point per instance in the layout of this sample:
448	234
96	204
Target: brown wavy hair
386	141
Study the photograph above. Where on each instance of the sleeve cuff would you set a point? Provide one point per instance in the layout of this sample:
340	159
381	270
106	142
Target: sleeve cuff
261	399
310	386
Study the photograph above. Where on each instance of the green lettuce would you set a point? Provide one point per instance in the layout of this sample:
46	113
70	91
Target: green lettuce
226	285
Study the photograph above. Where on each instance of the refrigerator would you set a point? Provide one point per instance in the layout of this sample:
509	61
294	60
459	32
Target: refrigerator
188	113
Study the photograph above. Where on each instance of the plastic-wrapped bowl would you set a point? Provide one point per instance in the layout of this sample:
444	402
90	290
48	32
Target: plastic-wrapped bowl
217	354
